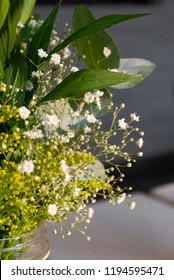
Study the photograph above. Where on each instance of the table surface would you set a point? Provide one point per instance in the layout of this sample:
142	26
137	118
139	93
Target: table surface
147	232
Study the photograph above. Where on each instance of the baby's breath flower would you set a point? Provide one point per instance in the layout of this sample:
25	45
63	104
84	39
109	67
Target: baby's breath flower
24	112
91	118
52	209
74	69
66	52
37	74
51	120
121	198
26	166
140	142
42	53
55	59
122	124
90	212
2	86
33	23
132	205
134	117
89	97
106	52
29	86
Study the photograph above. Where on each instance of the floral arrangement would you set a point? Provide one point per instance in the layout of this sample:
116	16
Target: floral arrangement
56	157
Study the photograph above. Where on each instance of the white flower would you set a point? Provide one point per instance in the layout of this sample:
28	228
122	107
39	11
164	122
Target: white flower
24	112
4	146
98	93
2	86
29	86
41	53
51	120
55	59
66	52
32	23
134	117
26	166
71	134
34	134
121	198
87	129
122	124
52	209
132	205
74	69
90	212
64	166
37	74
106	52
140	142
91	118
89	97
20	25
76	192
114	70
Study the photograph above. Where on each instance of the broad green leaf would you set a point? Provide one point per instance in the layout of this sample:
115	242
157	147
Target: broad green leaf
8	30
91	47
27	9
137	67
42	36
76	84
4	6
94	26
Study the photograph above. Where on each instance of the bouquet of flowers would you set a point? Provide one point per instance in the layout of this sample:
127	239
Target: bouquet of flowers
55	155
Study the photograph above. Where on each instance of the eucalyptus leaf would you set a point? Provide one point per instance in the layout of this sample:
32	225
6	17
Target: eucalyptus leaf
4	7
91	47
76	84
137	67
27	9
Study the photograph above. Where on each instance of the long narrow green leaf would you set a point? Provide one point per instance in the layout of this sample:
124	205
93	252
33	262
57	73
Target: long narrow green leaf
27	9
4	7
1	71
91	48
42	36
94	26
76	84
8	30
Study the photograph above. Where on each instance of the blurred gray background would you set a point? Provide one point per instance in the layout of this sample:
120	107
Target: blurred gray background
151	38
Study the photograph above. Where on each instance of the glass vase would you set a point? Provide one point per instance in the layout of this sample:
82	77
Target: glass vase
30	246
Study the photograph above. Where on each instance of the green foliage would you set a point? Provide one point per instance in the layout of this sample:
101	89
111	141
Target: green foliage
76	84
91	47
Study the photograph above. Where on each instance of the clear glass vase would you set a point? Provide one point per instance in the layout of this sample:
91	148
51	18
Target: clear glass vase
30	246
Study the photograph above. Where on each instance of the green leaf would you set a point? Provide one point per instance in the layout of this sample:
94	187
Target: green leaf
27	9
94	26
8	30
76	84
42	36
4	7
16	74
137	67
1	71
91	47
